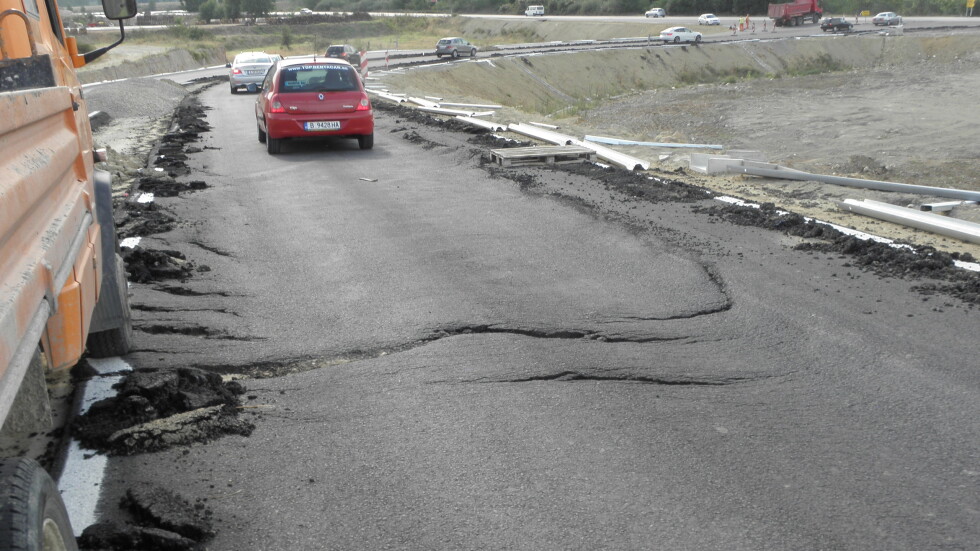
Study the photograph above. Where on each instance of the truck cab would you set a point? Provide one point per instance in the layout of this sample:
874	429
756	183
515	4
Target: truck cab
534	10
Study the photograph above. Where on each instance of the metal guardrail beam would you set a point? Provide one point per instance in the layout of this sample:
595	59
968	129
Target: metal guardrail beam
491	126
540	133
621	159
617	141
455	112
756	168
960	229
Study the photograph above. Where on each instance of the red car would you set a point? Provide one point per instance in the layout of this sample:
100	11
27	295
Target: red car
313	98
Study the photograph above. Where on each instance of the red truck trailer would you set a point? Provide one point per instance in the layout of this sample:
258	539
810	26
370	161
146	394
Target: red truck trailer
795	13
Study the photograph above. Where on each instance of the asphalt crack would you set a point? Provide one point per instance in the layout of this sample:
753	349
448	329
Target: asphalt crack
545	334
575	376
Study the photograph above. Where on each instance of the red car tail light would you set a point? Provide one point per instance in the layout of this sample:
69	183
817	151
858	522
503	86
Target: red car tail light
364	105
275	106
236	71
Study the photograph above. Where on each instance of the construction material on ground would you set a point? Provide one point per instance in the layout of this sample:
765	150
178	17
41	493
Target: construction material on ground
728	165
471	105
423	102
491	126
944	206
545	154
615	157
620	159
540	133
387	95
455	112
960	229
617	141
545	125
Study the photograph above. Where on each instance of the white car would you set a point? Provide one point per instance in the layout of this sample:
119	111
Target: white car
306	11
709	19
656	12
680	34
887	18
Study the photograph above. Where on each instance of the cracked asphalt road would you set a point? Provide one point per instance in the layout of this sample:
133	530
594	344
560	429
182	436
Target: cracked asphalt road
487	359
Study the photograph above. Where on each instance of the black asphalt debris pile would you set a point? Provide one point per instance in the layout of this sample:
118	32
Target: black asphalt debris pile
187	127
166	165
907	262
403	113
637	185
149	265
163	184
162	520
139	219
159	409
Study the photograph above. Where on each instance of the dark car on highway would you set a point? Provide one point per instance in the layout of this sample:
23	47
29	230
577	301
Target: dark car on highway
346	52
313	98
835	24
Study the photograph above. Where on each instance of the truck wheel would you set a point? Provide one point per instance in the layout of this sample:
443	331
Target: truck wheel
116	341
32	515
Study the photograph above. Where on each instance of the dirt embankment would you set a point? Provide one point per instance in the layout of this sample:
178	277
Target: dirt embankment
894	108
136	60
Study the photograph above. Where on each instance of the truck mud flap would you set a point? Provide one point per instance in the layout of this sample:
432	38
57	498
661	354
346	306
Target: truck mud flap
112	310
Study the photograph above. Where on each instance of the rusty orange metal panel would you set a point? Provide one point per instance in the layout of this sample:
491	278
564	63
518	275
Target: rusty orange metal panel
65	339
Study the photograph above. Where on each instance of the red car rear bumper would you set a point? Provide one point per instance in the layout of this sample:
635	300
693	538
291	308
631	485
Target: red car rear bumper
286	125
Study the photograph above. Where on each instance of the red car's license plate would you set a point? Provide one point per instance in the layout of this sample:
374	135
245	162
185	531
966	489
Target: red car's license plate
321	125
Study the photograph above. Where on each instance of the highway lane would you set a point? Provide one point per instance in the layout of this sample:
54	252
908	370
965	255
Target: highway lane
544	363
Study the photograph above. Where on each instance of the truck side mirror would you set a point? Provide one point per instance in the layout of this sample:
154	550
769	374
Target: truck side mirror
119	9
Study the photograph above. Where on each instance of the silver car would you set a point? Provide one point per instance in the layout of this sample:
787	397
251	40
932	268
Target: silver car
887	18
249	69
454	46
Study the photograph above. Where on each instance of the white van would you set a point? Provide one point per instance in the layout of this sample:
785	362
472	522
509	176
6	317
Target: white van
534	10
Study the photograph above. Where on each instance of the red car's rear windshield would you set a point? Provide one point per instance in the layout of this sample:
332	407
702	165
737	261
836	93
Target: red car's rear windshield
317	78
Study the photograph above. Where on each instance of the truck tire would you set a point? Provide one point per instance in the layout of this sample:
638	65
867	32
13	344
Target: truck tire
116	341
32	515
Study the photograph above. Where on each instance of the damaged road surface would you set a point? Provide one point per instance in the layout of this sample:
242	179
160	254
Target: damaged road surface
445	354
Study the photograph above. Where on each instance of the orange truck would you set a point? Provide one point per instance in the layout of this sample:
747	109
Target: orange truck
62	282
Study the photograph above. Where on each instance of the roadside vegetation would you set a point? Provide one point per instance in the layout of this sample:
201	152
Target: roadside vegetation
633	7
